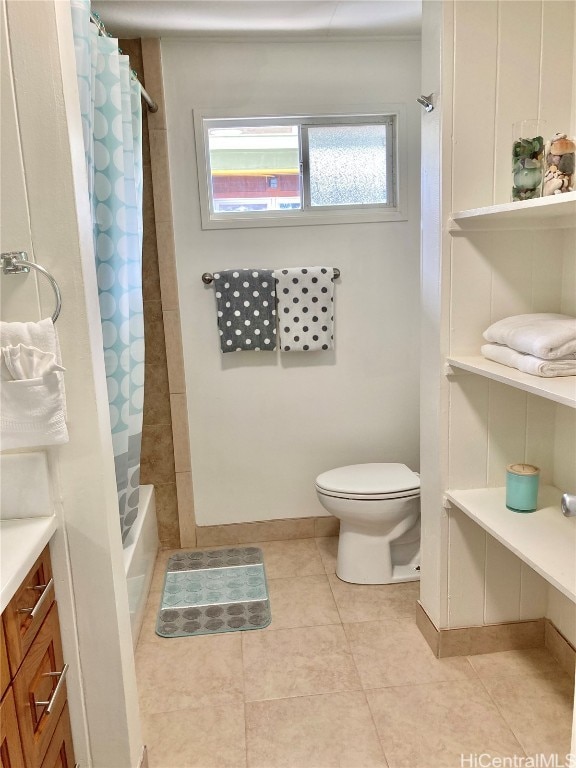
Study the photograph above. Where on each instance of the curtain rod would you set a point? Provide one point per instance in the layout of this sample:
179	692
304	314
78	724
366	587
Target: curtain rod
151	104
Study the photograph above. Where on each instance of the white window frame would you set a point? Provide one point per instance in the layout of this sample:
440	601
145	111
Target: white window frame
395	210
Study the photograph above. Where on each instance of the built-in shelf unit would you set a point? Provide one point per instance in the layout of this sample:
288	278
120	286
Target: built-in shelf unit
508	259
485	258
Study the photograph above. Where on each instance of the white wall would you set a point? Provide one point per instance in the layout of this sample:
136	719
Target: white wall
263	426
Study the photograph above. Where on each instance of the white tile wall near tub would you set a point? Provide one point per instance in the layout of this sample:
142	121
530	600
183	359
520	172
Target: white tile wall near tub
26	490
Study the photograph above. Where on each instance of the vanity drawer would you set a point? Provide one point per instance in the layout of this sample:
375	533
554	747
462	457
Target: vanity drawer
10	747
4	668
27	610
60	753
40	690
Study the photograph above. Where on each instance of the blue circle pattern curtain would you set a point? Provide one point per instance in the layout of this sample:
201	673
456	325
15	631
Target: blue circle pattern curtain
111	110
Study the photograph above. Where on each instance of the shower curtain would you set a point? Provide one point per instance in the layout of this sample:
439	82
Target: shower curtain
111	110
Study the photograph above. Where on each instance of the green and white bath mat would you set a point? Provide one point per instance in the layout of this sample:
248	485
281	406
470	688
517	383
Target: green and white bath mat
220	590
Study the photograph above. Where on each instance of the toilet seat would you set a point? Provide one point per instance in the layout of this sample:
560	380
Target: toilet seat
369	482
369	497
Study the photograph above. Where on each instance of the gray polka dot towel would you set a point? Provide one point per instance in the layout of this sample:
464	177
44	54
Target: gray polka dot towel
305	308
246	305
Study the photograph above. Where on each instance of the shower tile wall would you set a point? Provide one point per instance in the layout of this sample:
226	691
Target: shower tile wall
157	460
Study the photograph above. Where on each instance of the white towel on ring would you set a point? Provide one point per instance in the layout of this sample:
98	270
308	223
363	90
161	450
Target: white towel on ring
528	363
22	362
41	335
31	401
544	335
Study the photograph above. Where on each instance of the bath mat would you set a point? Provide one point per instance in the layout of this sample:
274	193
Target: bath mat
220	590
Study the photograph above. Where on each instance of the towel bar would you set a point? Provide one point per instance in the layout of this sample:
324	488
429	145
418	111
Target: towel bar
208	277
16	263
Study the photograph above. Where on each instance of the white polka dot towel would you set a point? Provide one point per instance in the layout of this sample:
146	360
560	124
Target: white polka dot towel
246	304
305	308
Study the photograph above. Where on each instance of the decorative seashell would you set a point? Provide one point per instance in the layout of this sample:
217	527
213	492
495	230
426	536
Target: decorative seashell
550	187
561	146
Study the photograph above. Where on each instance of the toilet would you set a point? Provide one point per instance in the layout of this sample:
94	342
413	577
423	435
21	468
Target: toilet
379	510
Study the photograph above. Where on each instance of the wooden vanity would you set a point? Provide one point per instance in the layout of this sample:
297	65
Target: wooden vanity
34	718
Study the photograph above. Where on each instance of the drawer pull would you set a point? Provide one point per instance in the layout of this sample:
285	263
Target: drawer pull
45	590
50	703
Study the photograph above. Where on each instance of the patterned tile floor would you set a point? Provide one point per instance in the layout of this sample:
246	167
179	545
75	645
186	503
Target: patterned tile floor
342	678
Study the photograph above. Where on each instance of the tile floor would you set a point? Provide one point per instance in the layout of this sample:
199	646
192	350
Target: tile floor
342	678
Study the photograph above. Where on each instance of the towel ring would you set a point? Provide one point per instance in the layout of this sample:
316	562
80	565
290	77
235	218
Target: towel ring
16	263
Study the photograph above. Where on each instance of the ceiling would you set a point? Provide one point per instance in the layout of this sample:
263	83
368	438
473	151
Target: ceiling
272	18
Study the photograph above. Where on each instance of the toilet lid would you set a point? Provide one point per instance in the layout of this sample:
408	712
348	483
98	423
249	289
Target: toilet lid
369	480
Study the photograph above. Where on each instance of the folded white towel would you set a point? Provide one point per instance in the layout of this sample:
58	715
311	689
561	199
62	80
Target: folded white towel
41	335
23	362
528	363
31	399
544	335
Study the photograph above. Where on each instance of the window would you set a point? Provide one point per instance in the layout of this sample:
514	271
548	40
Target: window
257	171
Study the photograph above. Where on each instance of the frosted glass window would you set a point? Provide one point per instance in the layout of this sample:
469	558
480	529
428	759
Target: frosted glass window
348	165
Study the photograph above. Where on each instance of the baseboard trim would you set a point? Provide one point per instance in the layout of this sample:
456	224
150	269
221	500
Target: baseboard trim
427	628
560	647
267	530
509	636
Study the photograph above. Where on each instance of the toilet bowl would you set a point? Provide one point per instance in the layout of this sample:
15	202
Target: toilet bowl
379	510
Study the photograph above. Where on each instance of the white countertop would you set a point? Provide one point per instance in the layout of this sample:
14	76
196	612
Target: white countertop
21	543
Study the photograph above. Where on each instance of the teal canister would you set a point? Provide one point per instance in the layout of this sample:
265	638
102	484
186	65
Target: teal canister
522	487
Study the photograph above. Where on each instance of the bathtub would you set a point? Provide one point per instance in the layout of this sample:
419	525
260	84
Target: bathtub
140	550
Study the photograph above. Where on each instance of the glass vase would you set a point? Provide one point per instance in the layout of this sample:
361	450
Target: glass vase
527	159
